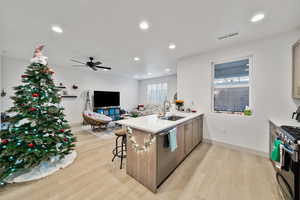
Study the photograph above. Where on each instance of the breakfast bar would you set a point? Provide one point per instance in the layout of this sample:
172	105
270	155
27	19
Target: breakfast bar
157	145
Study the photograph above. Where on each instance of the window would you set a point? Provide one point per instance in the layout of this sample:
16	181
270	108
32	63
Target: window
157	93
231	86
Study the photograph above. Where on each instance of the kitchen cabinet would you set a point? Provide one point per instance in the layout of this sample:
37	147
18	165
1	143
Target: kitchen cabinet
296	70
180	151
197	131
152	166
188	137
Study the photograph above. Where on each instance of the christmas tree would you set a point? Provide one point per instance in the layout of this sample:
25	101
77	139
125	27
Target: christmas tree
38	130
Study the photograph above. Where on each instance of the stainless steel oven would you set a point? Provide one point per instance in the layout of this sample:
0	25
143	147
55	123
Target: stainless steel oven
289	174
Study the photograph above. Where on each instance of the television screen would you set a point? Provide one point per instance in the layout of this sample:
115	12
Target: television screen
106	99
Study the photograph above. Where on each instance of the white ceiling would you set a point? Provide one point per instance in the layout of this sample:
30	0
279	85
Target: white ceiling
109	30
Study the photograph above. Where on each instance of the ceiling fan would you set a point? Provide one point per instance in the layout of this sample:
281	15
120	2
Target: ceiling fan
93	65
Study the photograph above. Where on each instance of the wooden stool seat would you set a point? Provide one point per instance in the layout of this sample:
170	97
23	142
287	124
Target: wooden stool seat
120	132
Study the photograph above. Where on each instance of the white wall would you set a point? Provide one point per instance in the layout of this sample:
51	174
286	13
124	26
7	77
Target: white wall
86	79
271	90
1	98
172	87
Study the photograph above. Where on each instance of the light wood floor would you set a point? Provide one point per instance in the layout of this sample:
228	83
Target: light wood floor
209	173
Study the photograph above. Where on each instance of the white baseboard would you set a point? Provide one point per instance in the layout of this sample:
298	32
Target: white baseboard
236	147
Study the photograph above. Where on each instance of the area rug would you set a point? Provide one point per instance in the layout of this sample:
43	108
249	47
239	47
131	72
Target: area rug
107	133
45	168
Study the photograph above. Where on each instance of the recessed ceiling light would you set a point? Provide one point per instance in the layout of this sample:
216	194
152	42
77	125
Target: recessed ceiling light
167	70
56	29
172	46
149	73
257	17
136	59
144	25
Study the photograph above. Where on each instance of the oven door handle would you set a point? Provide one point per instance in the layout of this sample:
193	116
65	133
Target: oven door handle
288	150
294	154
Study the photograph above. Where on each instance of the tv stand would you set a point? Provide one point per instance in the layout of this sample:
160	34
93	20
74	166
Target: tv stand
113	111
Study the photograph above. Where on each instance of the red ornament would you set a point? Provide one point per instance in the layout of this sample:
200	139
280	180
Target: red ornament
5	141
22	104
32	109
30	145
62	130
66	139
35	94
24	76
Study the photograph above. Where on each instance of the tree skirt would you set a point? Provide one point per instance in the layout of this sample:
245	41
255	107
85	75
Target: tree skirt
44	169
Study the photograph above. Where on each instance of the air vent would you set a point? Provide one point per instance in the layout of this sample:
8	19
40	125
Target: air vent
230	35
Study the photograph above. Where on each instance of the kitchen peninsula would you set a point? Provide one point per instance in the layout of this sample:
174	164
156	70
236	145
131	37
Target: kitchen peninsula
150	159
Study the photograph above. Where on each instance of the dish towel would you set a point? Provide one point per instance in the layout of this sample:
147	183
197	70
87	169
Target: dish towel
276	151
173	139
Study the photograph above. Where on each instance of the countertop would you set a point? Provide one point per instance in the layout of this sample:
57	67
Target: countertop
284	121
153	124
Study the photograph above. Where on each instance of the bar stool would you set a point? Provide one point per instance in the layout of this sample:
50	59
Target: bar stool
120	149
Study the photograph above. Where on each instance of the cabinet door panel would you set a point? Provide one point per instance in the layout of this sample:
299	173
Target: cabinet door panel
180	151
188	136
196	135
200	129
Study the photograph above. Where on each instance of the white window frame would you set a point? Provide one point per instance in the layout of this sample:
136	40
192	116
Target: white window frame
250	57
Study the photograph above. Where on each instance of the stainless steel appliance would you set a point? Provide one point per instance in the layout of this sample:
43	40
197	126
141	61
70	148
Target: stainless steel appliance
289	175
166	159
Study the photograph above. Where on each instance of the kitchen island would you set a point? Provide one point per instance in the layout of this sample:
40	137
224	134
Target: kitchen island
150	159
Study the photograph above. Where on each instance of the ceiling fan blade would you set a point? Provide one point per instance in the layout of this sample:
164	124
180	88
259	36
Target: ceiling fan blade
78	61
98	63
102	67
94	68
79	65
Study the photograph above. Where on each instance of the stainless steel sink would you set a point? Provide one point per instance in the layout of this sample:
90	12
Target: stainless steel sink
172	118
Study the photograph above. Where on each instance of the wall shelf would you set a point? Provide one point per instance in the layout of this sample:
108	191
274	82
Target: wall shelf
68	96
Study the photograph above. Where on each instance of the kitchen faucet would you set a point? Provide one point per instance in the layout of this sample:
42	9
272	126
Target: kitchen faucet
165	107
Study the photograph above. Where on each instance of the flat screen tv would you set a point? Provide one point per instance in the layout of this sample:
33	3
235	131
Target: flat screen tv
106	98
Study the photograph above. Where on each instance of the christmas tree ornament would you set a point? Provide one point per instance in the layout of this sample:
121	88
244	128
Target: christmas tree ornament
35	95
31	145
18	162
11	158
32	109
35	118
5	141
